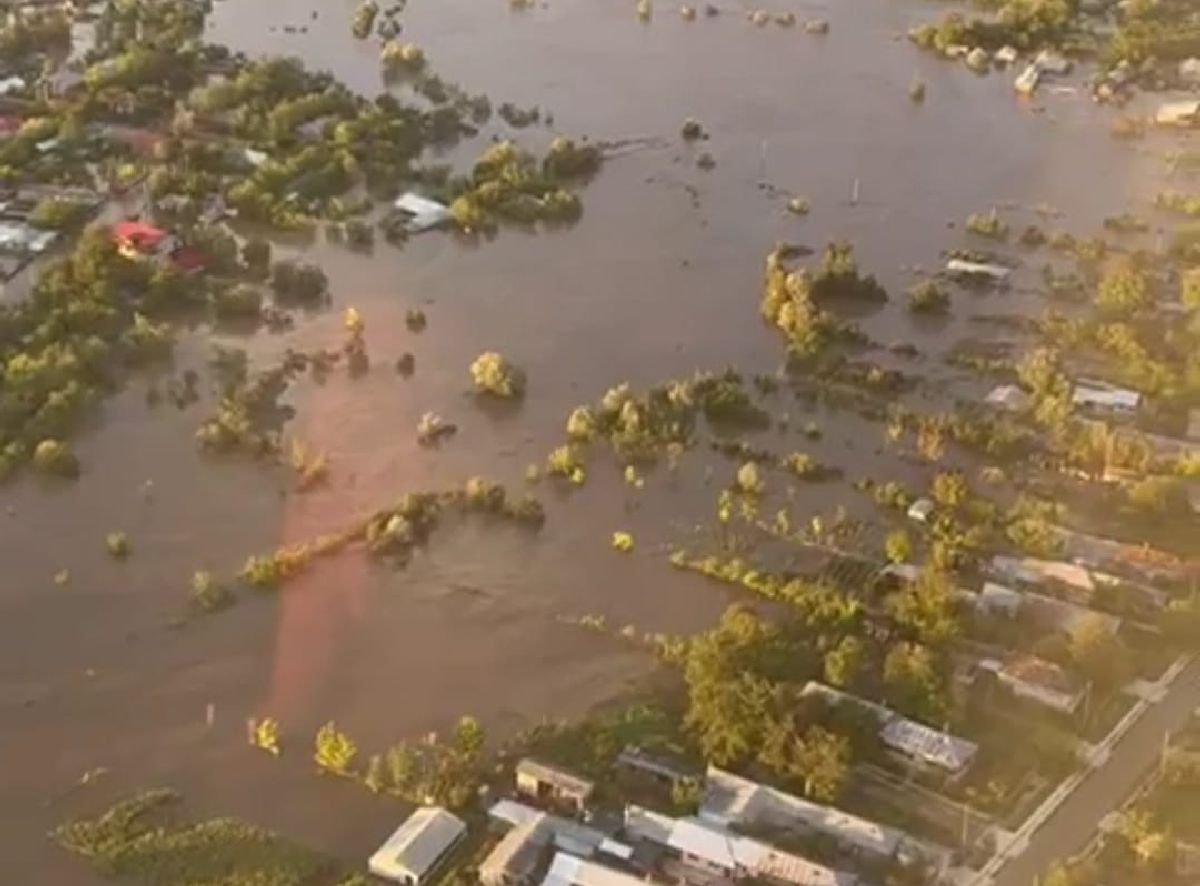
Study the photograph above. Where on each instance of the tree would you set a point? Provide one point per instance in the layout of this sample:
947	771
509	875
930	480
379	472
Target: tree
913	681
844	661
747	480
55	457
495	375
1124	289
335	750
1151	845
819	759
208	594
1098	653
898	546
926	608
401	763
56	213
468	738
950	489
264	735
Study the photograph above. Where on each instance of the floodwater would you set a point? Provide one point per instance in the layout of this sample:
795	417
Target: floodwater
652	283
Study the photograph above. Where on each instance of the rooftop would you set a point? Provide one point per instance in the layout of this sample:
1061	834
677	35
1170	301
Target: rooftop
517	853
561	779
732	799
567	870
418	844
1105	397
565	833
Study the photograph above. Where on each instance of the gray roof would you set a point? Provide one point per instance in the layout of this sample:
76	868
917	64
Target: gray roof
418	844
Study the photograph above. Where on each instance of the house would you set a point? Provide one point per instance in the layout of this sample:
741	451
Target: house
418	846
928	746
21	238
1071	578
516	858
567	870
921	510
1038	680
1063	615
420	213
916	742
958	267
565	833
661	768
139	241
1106	398
1008	397
733	801
710	850
549	784
1183	113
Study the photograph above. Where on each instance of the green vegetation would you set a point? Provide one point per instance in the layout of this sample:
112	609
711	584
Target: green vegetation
117	545
988	225
145	839
496	376
927	297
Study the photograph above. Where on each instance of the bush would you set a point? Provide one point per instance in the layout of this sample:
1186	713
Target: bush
57	214
988	225
235	302
117	545
55	457
927	297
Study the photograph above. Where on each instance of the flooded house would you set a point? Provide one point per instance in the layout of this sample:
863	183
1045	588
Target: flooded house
553	786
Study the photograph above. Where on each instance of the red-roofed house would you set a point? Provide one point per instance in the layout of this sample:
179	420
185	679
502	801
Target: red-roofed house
139	241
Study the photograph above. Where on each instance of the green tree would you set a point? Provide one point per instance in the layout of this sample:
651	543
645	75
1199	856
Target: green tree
1148	842
913	681
335	750
468	738
844	662
1155	495
403	766
926	608
950	489
822	759
1098	653
898	546
1189	288
494	374
747	480
1123	289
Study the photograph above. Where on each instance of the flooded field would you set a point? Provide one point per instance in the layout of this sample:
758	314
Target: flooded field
659	278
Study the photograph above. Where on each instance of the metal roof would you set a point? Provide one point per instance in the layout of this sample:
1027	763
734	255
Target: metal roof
567	870
928	745
516	855
418	844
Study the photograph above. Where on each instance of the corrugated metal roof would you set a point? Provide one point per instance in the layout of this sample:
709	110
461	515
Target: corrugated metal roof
929	745
517	854
418	844
567	870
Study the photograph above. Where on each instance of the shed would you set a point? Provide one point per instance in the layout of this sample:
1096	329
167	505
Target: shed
418	846
550	784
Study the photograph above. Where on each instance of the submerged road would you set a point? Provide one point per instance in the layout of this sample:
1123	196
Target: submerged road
1103	790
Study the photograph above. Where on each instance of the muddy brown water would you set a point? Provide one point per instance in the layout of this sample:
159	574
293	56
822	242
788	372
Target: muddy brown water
646	286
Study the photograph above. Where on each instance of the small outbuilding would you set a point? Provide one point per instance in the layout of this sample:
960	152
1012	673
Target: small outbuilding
418	846
549	784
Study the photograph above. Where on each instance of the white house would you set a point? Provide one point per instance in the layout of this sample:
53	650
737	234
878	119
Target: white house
418	846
